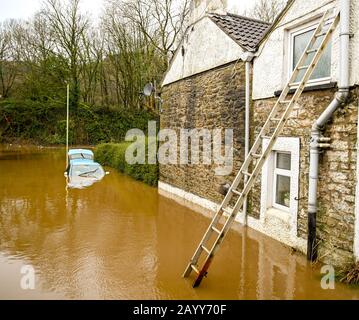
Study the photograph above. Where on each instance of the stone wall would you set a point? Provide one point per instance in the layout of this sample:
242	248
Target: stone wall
211	100
336	192
215	100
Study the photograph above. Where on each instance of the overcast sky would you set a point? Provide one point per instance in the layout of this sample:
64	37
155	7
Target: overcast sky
17	9
22	9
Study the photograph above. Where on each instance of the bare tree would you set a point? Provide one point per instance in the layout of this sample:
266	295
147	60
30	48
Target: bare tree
9	56
90	56
266	10
161	21
134	52
106	64
127	56
68	26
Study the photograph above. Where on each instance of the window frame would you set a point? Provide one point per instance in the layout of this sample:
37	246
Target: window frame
281	172
296	32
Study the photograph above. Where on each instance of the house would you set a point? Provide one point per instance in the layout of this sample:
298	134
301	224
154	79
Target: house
228	73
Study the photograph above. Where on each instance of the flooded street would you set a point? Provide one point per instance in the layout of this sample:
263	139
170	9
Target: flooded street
119	239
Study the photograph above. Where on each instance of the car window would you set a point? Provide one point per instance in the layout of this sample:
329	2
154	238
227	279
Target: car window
81	156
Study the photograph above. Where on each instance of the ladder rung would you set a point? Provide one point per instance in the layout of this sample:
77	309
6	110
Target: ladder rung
312	50
286	101
216	230
205	249
236	192
266	137
299	85
303	67
228	211
322	34
276	119
247	174
329	19
256	156
195	269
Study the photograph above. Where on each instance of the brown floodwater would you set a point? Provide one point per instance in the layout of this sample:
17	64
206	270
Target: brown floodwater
120	239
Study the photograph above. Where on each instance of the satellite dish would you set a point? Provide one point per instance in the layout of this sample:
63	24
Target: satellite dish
148	90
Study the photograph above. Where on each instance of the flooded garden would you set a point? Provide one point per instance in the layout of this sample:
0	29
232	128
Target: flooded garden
120	239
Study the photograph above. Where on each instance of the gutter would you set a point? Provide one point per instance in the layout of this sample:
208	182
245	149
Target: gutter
318	141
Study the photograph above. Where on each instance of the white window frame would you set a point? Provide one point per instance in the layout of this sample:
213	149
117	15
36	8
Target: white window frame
284	173
292	34
283	145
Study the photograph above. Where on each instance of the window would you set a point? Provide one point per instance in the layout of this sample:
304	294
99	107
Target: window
282	181
280	188
299	42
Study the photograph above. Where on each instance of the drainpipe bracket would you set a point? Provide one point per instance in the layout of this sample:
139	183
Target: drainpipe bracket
350	34
324	145
318	142
324	139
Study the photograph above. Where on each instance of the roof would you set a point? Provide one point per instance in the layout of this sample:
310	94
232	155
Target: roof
79	151
84	162
247	32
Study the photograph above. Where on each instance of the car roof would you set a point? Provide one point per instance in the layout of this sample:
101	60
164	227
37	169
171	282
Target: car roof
79	162
79	151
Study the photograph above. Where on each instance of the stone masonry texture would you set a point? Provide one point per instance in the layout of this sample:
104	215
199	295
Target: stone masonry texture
215	100
337	172
211	100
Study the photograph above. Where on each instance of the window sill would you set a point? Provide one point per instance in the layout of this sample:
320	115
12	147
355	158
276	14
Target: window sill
316	87
279	214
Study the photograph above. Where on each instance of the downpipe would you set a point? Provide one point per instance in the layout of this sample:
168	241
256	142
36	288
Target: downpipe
318	142
248	65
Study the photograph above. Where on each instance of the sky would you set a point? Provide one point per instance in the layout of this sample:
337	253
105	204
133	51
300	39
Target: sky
238	6
22	9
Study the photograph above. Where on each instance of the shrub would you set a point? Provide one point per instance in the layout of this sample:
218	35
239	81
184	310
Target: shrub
350	274
45	123
114	155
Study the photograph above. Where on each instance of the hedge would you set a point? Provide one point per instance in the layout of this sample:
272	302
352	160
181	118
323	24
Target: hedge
45	123
114	156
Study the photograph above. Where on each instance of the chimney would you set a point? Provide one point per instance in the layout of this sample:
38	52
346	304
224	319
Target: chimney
200	8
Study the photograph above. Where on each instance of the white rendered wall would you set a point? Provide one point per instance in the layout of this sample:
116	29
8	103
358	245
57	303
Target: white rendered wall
272	65
206	47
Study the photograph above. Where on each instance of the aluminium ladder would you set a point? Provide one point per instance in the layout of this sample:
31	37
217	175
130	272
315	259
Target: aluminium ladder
258	155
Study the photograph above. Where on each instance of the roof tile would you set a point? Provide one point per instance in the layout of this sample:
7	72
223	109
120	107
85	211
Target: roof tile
245	31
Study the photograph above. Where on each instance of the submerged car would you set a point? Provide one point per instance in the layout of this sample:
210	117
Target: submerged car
80	154
83	171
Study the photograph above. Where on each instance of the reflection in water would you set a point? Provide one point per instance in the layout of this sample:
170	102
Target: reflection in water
121	240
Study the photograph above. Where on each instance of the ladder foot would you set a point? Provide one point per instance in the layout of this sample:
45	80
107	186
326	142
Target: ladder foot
198	281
